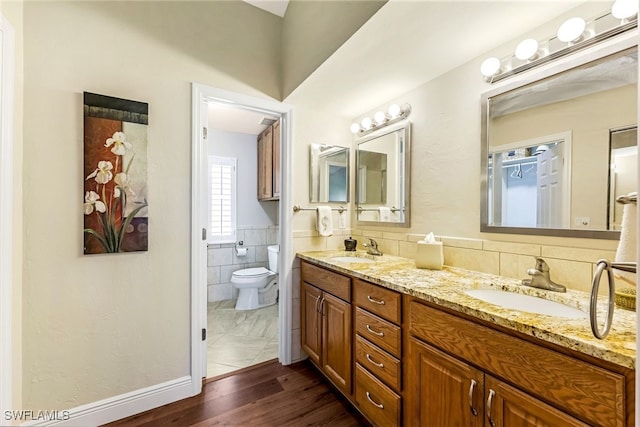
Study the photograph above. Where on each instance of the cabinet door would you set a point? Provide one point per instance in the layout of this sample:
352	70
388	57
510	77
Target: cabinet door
276	159
507	406
441	390
336	341
265	164
310	321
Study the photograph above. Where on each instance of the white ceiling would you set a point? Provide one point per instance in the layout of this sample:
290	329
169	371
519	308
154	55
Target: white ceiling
277	7
408	43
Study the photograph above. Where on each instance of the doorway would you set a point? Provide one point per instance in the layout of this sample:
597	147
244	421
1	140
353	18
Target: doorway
243	240
202	97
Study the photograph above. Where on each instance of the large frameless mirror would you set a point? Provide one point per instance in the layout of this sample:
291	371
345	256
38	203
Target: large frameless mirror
382	177
328	173
559	147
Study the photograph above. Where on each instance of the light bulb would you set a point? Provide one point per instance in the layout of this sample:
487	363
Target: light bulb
571	29
355	128
380	117
624	9
490	67
366	123
527	49
394	110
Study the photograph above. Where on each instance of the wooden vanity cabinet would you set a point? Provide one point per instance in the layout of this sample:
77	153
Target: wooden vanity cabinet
473	375
326	323
269	163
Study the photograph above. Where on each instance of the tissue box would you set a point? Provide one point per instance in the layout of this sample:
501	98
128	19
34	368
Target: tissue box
429	255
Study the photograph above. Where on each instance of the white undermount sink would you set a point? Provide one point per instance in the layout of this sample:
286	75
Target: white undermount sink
352	259
527	303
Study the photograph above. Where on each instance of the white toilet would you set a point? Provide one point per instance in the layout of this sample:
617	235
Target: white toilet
258	287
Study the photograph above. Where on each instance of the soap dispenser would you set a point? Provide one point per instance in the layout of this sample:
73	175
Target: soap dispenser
350	244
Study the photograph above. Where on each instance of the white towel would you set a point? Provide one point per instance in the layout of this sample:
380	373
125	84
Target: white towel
324	221
627	251
384	213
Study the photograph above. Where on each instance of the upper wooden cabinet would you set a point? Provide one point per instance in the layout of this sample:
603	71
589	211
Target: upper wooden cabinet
269	163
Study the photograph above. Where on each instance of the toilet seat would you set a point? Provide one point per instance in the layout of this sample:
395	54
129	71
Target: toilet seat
252	273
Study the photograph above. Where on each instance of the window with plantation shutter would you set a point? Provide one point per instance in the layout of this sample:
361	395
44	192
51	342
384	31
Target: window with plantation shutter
222	199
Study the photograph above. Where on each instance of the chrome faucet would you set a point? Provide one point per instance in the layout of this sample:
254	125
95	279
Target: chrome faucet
540	278
372	247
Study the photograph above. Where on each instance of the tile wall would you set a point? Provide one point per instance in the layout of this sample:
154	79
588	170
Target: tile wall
222	260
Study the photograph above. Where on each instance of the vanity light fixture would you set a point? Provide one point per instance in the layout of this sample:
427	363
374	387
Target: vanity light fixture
395	114
573	35
571	30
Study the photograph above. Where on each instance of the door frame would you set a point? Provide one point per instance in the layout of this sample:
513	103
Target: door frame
201	94
7	58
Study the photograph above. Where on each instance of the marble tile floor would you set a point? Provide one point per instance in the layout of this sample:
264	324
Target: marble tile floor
237	339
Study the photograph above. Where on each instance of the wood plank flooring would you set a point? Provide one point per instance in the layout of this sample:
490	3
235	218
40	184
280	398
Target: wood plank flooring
266	395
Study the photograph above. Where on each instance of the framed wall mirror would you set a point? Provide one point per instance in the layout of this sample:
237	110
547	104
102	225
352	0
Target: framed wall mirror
382	177
328	173
559	146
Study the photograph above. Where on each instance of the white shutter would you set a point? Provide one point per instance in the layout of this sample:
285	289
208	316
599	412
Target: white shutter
222	199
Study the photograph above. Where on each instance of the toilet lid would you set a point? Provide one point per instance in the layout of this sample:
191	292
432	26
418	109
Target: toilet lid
252	272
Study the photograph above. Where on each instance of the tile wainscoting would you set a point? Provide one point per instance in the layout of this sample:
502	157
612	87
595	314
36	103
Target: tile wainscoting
222	260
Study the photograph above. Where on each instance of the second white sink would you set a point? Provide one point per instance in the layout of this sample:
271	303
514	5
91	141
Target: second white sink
526	303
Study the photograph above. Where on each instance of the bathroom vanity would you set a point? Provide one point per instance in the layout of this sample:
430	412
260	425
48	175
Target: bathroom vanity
411	347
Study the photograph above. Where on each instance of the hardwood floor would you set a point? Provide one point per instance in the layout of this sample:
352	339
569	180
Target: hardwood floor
267	395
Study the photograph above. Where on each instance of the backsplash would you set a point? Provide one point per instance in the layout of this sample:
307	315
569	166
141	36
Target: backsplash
222	260
572	267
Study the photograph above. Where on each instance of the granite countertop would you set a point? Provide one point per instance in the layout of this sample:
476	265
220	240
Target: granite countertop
446	288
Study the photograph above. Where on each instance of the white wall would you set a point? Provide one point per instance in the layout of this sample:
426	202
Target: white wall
98	326
244	148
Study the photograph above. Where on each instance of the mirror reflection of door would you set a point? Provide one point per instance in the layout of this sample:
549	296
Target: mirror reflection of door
528	183
623	170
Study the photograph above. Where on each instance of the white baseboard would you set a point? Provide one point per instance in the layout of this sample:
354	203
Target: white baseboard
118	407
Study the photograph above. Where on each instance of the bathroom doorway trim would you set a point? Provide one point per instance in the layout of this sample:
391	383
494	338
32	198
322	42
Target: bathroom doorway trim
201	95
7	58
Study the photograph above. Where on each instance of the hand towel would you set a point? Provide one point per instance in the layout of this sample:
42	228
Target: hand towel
384	213
627	251
324	221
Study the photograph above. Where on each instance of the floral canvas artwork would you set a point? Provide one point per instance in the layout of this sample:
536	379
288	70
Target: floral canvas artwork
115	175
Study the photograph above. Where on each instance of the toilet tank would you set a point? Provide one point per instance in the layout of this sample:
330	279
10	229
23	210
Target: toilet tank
273	251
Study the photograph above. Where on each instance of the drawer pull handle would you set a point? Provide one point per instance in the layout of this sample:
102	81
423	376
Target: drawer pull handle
376	404
380	334
375	300
472	388
379	365
489	402
317	301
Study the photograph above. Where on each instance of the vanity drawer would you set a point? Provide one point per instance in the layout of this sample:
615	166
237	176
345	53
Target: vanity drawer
334	283
380	363
380	332
378	300
581	389
376	401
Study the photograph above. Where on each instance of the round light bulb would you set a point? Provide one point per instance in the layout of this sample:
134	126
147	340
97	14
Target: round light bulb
490	67
571	29
394	110
380	117
366	123
624	9
527	49
355	128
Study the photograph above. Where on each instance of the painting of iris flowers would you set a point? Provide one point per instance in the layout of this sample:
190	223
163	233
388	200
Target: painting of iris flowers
115	175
